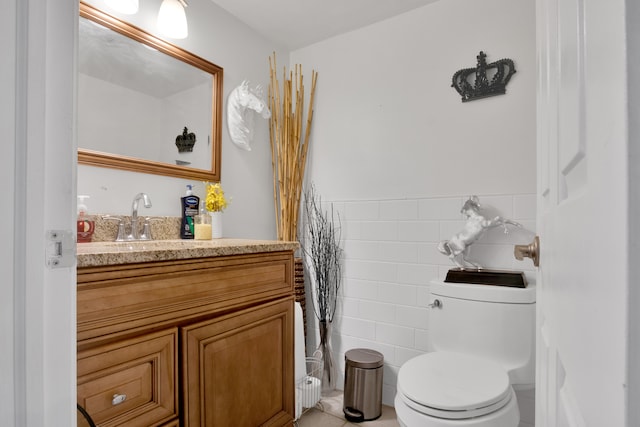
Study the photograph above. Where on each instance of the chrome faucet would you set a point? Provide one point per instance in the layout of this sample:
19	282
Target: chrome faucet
135	233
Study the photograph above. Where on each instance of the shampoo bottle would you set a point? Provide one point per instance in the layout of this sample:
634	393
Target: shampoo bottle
85	227
189	204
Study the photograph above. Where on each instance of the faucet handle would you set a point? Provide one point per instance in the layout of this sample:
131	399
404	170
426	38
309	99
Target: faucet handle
146	228
120	236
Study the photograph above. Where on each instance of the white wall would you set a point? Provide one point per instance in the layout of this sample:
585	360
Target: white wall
246	176
387	123
397	152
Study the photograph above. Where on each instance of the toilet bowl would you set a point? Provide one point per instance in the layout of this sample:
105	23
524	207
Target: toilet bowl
462	391
483	341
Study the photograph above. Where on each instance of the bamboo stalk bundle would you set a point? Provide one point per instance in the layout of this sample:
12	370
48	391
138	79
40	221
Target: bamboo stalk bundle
289	144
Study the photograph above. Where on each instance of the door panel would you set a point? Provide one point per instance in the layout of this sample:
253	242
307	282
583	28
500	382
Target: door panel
582	214
571	144
238	369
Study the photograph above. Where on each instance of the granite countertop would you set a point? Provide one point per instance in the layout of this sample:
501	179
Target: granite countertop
98	254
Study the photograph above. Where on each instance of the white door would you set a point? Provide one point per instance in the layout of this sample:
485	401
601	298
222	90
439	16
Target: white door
37	171
582	213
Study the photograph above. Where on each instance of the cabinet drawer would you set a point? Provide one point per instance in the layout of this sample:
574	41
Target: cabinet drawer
114	301
131	382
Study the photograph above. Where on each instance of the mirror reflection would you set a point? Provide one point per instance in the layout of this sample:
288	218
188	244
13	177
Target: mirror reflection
143	104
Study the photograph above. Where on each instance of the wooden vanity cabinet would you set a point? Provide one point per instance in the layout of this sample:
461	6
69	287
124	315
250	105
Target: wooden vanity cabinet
200	342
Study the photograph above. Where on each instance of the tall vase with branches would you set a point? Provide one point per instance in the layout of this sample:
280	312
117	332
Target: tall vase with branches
289	136
289	144
323	258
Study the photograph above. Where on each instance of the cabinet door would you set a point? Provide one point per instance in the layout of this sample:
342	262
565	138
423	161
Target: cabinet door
131	382
238	369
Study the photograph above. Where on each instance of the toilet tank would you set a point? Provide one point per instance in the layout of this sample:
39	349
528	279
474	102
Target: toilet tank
493	322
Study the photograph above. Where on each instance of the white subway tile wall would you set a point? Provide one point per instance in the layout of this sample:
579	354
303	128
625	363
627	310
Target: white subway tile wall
390	257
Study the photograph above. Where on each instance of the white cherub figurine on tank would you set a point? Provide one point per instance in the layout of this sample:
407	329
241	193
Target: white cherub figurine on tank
457	247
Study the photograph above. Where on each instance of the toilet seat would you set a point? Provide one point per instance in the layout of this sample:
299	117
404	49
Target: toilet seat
453	385
507	416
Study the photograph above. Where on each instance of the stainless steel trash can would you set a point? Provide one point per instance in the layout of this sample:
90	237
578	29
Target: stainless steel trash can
362	385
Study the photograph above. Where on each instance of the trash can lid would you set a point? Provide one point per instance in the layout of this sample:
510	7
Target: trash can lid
364	358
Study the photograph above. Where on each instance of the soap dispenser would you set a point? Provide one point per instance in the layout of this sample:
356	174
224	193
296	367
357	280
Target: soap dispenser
85	226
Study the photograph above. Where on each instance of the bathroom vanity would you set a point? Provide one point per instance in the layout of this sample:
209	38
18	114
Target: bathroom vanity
189	333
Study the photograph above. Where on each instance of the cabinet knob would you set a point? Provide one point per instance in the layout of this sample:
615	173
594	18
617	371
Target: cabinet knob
118	399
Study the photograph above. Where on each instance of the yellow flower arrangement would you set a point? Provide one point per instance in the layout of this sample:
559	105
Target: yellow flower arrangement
215	200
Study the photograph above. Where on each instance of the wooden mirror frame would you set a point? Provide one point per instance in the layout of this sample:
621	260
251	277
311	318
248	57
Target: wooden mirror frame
114	161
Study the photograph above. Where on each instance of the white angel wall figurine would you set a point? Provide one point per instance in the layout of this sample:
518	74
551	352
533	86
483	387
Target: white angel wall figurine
241	104
457	247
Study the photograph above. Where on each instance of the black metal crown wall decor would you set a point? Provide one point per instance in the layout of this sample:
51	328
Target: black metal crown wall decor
485	80
186	141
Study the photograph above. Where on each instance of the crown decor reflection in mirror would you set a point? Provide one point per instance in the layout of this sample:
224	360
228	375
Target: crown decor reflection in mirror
185	141
134	91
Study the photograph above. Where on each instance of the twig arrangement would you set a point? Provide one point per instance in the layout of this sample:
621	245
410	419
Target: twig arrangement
323	255
289	145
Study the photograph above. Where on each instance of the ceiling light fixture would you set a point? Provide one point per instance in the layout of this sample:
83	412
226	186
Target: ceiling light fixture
128	7
172	20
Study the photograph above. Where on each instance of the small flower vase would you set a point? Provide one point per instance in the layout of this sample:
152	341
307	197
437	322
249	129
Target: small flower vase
329	369
216	225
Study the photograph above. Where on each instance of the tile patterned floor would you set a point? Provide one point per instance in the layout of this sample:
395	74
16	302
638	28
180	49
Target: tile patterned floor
331	415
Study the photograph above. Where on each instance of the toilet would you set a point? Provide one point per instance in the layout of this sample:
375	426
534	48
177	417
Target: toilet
482	341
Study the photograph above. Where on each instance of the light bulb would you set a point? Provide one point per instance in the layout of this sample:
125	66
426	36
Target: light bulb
172	20
128	7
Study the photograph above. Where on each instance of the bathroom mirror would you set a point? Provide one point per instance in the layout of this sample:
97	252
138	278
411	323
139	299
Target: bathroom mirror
137	94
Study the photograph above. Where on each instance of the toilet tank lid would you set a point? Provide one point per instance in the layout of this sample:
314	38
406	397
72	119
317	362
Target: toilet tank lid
488	293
